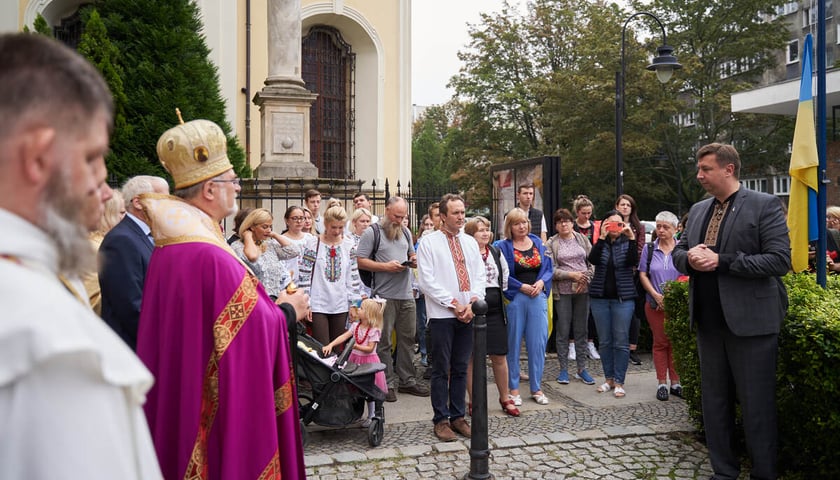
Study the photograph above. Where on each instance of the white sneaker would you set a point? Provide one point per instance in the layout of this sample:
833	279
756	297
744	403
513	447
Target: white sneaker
572	354
593	352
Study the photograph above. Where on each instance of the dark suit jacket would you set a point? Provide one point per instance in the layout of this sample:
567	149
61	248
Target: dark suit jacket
756	246
123	260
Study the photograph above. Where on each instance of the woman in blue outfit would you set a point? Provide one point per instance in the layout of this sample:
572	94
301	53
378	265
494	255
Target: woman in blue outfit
613	294
528	286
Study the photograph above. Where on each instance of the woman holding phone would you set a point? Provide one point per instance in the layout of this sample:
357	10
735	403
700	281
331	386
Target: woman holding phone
626	206
613	293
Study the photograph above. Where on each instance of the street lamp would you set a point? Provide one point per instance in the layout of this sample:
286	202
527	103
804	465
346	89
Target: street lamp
664	65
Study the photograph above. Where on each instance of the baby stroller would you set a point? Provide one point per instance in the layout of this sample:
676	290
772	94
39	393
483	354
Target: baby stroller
333	392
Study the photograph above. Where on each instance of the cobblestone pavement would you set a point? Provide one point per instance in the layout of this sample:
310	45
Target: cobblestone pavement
569	439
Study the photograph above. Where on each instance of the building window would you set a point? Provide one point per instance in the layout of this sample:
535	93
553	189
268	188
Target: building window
756	184
328	69
781	185
70	30
793	51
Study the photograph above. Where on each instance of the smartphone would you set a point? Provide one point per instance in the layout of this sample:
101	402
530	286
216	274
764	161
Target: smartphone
614	226
406	263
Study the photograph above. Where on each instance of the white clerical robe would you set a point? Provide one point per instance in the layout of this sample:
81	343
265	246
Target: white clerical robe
71	392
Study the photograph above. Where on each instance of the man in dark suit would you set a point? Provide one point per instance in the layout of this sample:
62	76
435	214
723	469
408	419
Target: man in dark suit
735	248
123	260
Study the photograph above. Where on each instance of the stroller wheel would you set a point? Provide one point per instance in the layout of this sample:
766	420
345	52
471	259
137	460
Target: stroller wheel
304	435
376	431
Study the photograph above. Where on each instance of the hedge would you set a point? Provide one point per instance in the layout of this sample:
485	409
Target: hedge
808	388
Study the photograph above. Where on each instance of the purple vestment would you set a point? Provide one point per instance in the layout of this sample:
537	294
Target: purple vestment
224	403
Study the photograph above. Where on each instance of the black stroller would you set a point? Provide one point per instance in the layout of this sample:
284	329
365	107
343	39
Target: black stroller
332	391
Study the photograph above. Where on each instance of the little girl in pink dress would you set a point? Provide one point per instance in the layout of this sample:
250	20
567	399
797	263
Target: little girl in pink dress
366	332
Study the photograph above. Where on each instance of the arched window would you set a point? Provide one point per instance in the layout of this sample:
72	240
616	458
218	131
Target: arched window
328	68
69	32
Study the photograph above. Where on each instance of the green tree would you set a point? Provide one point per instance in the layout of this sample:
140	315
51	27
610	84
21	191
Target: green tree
165	63
123	161
41	26
543	82
725	47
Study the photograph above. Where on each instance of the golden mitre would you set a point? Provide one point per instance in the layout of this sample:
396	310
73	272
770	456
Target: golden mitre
193	152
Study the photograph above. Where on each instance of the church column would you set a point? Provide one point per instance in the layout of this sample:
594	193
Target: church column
284	101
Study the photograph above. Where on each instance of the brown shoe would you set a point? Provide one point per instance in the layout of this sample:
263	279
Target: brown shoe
444	432
391	396
461	426
415	389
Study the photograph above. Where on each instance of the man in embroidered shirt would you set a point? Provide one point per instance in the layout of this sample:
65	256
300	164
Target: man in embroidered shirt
452	275
71	392
224	404
124	258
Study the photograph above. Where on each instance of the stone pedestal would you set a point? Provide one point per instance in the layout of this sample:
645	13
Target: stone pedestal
284	117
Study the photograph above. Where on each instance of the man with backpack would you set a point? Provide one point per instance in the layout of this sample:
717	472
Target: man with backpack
386	250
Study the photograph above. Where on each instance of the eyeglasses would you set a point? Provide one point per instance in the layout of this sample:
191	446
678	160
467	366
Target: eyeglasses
297	219
234	181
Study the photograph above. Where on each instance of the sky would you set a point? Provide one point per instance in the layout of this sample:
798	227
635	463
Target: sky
439	30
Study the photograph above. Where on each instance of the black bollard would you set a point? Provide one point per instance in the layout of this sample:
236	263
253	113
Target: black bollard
479	448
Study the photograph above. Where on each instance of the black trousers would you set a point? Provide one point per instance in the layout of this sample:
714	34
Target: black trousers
744	368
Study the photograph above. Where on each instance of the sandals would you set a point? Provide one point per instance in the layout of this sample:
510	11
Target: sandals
619	392
540	398
516	399
606	387
509	408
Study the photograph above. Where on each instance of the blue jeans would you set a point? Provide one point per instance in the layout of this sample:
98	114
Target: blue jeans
527	317
420	303
612	319
452	345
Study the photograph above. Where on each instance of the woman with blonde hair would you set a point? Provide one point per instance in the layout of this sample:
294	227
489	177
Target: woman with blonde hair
265	250
112	214
328	272
529	284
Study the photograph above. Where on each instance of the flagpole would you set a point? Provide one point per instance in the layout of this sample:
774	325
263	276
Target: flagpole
821	145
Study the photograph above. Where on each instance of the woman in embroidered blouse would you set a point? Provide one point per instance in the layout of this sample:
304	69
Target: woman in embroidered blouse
568	250
612	296
527	313
295	220
265	250
330	275
497	337
655	268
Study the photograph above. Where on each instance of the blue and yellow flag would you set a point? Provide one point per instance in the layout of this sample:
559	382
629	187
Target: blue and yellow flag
802	208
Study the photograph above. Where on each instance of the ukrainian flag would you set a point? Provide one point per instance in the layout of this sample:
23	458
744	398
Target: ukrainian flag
802	208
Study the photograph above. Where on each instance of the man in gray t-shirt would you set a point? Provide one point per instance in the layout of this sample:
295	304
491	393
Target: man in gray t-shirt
392	281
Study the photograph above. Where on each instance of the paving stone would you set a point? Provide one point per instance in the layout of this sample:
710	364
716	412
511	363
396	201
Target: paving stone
345	457
558	437
316	460
507	442
590	435
444	447
382	453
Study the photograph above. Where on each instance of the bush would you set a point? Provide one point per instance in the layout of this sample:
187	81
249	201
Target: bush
807	391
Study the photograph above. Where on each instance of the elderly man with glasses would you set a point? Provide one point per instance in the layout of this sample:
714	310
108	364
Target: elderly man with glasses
223	404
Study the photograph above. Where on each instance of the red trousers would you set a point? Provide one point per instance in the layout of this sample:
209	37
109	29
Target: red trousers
663	357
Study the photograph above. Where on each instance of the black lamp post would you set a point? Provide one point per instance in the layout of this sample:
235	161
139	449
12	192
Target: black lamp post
664	64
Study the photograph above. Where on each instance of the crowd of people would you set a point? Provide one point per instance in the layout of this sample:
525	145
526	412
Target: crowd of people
188	373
